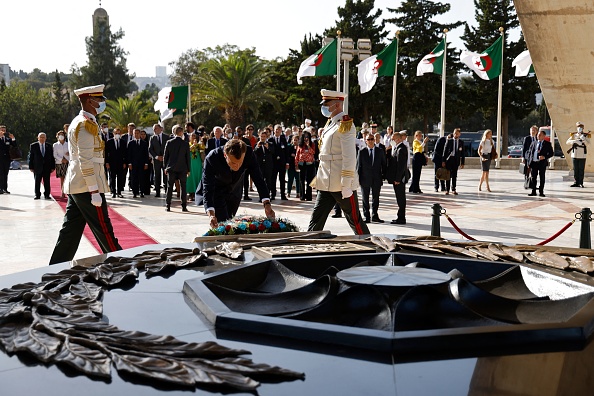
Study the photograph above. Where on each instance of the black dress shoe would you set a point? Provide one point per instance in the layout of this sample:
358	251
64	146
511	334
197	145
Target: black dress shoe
376	220
247	199
1	191
135	196
168	208
47	197
141	195
532	194
574	185
184	209
398	221
8	192
113	195
37	198
367	220
541	195
157	195
120	196
336	215
284	198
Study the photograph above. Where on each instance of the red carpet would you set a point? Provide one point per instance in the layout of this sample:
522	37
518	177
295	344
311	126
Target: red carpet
128	234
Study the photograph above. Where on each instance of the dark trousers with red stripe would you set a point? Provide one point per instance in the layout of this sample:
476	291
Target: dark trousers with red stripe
80	212
350	207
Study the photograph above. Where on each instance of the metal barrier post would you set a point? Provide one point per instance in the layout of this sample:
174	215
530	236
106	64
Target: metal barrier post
585	218
435	227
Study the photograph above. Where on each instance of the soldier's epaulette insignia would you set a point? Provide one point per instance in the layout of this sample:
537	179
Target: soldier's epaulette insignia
345	124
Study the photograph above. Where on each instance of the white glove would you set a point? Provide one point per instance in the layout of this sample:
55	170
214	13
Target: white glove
346	192
96	199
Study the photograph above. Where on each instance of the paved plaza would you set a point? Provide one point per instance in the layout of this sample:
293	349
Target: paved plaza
30	227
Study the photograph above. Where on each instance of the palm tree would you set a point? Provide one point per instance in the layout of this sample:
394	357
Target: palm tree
123	111
235	85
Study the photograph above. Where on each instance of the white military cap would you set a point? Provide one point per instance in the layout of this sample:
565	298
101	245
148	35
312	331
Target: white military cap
94	90
403	132
579	123
332	95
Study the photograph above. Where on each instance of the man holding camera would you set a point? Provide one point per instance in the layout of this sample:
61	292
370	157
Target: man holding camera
578	142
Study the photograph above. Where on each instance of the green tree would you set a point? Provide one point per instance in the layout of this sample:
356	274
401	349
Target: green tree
122	111
106	64
236	85
26	112
419	97
518	92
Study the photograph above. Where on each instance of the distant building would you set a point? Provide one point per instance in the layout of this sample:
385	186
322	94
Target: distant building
100	15
161	79
5	73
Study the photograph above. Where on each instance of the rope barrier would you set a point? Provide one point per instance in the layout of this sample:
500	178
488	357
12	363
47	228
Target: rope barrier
465	235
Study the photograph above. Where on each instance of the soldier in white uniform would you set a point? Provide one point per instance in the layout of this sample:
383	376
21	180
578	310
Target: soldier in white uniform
336	179
578	142
85	181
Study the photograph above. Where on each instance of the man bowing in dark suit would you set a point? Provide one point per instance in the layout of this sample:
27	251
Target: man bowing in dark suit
371	167
157	150
176	160
222	181
537	159
42	164
453	158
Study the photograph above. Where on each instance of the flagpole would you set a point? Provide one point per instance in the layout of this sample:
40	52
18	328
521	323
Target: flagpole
393	118
443	83
499	102
338	60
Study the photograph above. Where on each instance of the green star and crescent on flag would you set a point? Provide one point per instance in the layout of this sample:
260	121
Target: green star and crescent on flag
433	62
486	65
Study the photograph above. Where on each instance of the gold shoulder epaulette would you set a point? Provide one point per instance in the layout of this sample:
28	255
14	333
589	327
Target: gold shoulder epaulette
345	124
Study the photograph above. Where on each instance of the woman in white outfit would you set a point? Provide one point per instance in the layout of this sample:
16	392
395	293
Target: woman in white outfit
486	151
62	157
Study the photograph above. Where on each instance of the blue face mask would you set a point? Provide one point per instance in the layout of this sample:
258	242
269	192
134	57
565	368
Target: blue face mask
101	108
326	111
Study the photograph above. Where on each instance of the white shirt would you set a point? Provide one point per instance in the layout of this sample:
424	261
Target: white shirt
61	151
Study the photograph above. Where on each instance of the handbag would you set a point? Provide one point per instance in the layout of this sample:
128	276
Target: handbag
522	168
493	154
442	174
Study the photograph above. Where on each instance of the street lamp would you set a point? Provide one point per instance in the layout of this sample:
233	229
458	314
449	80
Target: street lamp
347	52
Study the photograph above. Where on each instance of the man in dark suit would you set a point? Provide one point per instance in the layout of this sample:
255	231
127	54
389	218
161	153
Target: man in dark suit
126	139
137	159
453	158
437	160
264	156
176	160
397	175
215	142
7	140
157	150
281	161
42	164
115	162
222	181
371	167
537	159
528	140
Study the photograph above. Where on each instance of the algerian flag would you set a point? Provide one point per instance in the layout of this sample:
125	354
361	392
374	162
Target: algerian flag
171	99
486	65
433	62
382	64
523	64
322	63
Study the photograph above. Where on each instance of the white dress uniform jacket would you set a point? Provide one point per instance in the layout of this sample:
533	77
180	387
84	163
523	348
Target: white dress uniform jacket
581	141
85	170
338	159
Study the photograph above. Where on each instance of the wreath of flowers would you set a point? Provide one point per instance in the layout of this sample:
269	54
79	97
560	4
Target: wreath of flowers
240	225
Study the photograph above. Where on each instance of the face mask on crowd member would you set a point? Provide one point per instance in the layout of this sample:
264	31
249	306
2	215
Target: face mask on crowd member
116	136
61	138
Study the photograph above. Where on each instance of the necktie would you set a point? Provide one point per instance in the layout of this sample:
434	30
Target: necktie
455	146
42	150
277	140
217	143
371	155
159	137
116	144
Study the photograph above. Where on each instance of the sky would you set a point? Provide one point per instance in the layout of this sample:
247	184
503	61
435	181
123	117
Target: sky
50	35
